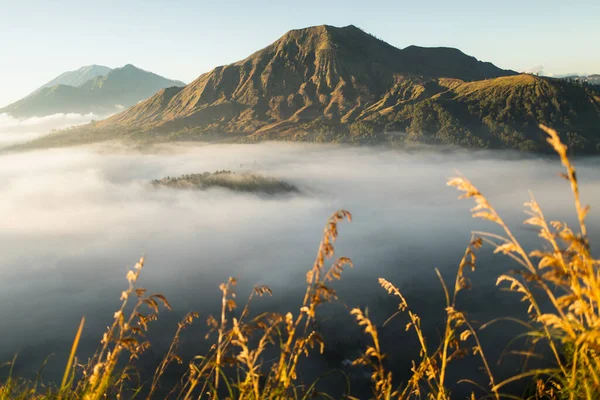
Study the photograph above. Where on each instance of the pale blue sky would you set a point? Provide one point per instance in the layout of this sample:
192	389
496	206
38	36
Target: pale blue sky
181	39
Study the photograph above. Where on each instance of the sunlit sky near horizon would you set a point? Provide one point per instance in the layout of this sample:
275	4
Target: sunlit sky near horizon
180	39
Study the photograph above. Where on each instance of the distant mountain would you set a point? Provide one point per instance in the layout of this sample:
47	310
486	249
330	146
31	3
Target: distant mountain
78	77
343	85
593	79
52	100
101	94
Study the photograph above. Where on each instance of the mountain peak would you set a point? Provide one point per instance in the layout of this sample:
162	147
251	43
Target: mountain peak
315	28
330	49
328	33
94	67
130	71
130	78
78	76
325	29
130	66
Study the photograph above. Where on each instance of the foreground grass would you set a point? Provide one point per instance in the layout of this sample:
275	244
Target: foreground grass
240	363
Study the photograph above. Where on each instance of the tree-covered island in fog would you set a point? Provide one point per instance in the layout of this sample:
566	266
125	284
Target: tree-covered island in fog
246	182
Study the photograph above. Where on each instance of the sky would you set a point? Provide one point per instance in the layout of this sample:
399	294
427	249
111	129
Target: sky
181	39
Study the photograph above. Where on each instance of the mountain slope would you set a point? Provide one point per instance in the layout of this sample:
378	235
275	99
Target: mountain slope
344	85
79	76
501	113
103	94
50	100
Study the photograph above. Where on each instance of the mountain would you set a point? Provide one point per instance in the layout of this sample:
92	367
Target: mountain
78	77
343	85
101	94
51	100
593	79
335	73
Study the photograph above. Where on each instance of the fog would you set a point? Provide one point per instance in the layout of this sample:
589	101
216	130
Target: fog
74	220
18	130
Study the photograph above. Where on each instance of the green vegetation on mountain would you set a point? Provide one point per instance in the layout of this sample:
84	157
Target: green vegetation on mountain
247	182
328	84
502	113
100	93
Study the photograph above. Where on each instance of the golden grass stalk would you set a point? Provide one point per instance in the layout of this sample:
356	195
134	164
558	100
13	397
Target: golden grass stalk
67	374
373	357
294	336
429	374
171	354
568	277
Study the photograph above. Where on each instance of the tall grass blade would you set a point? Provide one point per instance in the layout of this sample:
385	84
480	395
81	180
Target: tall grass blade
71	357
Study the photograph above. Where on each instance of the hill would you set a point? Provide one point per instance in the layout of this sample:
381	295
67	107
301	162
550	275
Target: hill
102	94
343	85
501	113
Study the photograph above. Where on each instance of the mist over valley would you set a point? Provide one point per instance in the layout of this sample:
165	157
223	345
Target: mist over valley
76	219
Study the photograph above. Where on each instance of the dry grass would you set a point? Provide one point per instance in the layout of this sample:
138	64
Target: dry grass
240	365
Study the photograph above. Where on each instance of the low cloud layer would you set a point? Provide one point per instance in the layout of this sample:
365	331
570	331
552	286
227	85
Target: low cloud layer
74	220
18	130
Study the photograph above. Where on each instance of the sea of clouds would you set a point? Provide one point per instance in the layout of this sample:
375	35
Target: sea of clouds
72	221
19	130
